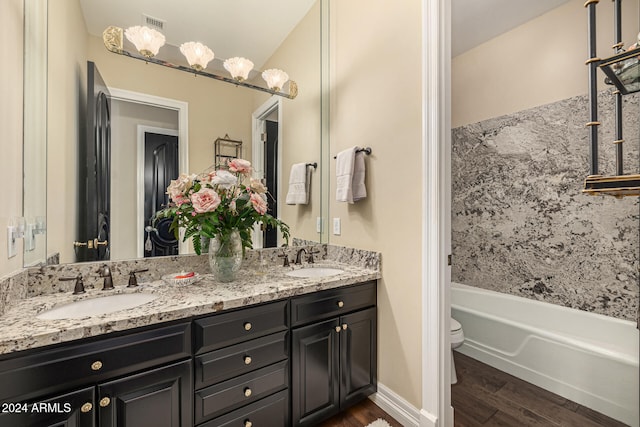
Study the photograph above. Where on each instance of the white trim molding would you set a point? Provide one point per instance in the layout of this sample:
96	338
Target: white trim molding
436	208
394	405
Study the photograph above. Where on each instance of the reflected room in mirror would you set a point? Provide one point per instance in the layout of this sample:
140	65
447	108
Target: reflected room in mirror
168	119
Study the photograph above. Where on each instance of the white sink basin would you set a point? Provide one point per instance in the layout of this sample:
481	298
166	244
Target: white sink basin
96	306
315	272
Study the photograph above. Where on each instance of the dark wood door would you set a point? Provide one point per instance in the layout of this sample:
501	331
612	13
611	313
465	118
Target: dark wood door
75	409
157	398
94	180
315	392
160	167
358	364
271	177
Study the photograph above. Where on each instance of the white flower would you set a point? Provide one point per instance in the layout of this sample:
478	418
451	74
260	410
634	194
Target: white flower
224	179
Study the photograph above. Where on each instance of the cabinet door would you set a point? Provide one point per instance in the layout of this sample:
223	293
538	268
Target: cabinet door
315	372
158	398
358	349
76	409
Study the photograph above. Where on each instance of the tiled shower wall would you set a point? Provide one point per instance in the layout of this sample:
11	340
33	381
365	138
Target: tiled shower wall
520	222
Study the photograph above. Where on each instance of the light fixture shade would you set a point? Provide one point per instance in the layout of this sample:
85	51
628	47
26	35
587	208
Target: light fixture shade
147	40
239	68
197	54
275	78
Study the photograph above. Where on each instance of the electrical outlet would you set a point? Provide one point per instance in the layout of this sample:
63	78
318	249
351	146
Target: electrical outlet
336	226
11	241
319	224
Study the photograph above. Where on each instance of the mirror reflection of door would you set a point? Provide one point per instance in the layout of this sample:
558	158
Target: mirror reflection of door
160	167
270	234
92	243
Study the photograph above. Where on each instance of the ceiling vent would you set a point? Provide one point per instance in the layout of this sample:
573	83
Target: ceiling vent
155	23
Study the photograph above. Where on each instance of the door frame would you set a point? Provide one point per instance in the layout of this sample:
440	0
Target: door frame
436	214
142	130
258	118
182	108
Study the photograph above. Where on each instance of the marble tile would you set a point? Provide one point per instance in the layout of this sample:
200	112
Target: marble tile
522	226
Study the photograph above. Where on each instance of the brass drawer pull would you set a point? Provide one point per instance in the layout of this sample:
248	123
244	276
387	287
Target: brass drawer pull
247	392
340	304
338	328
104	402
87	407
248	423
96	366
247	360
247	326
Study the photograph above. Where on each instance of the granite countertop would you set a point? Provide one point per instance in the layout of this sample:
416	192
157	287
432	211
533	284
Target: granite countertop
21	330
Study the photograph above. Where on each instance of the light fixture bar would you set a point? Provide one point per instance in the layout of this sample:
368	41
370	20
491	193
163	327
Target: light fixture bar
112	38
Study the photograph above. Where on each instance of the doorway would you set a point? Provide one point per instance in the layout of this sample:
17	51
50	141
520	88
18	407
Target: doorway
267	163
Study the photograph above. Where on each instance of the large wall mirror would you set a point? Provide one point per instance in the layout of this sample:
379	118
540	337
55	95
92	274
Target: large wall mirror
194	111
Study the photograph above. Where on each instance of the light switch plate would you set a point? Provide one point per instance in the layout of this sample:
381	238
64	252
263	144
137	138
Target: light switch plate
319	224
336	226
11	242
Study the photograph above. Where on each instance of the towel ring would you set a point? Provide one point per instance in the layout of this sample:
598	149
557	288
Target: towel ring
366	150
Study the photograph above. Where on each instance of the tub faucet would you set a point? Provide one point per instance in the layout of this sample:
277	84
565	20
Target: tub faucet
105	272
298	260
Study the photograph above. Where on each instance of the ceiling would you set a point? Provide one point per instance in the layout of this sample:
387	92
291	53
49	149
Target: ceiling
250	28
477	21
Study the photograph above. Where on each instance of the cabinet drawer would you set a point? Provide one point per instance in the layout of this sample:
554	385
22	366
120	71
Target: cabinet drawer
332	303
68	367
225	329
271	411
235	393
240	358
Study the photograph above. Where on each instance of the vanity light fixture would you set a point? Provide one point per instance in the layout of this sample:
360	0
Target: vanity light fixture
238	67
147	40
275	78
197	54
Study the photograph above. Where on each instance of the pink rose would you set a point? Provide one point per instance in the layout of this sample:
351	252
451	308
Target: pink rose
259	204
258	186
240	165
205	200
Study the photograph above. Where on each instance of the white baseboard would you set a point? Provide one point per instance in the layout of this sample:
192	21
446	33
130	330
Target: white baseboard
404	412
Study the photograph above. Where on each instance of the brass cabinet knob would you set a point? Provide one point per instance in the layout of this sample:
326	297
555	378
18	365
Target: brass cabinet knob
248	423
344	326
96	366
247	392
340	304
338	328
87	407
247	326
104	402
247	360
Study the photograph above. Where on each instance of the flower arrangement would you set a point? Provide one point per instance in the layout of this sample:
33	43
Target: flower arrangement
215	204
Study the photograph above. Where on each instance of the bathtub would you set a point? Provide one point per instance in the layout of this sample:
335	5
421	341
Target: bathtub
588	358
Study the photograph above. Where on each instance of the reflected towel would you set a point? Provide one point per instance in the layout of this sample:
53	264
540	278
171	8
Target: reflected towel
299	179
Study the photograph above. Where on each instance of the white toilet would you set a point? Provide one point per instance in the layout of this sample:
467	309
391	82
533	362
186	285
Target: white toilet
457	338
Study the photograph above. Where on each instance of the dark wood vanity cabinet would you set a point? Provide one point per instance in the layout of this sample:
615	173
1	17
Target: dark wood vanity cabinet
103	382
289	362
333	351
241	362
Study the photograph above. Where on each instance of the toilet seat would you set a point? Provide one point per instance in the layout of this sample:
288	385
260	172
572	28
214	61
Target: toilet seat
455	325
457	335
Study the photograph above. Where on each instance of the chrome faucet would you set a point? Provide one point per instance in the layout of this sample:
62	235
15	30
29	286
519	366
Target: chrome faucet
298	260
105	272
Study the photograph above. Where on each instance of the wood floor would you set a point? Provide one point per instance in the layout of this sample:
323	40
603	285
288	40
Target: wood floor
485	396
360	415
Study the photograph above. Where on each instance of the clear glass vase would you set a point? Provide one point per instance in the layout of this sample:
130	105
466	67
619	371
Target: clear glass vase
225	256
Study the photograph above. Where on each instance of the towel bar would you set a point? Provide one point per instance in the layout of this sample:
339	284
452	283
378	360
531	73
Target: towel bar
314	164
366	150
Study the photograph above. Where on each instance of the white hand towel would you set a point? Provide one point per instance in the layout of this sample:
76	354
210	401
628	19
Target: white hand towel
344	174
299	179
359	191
